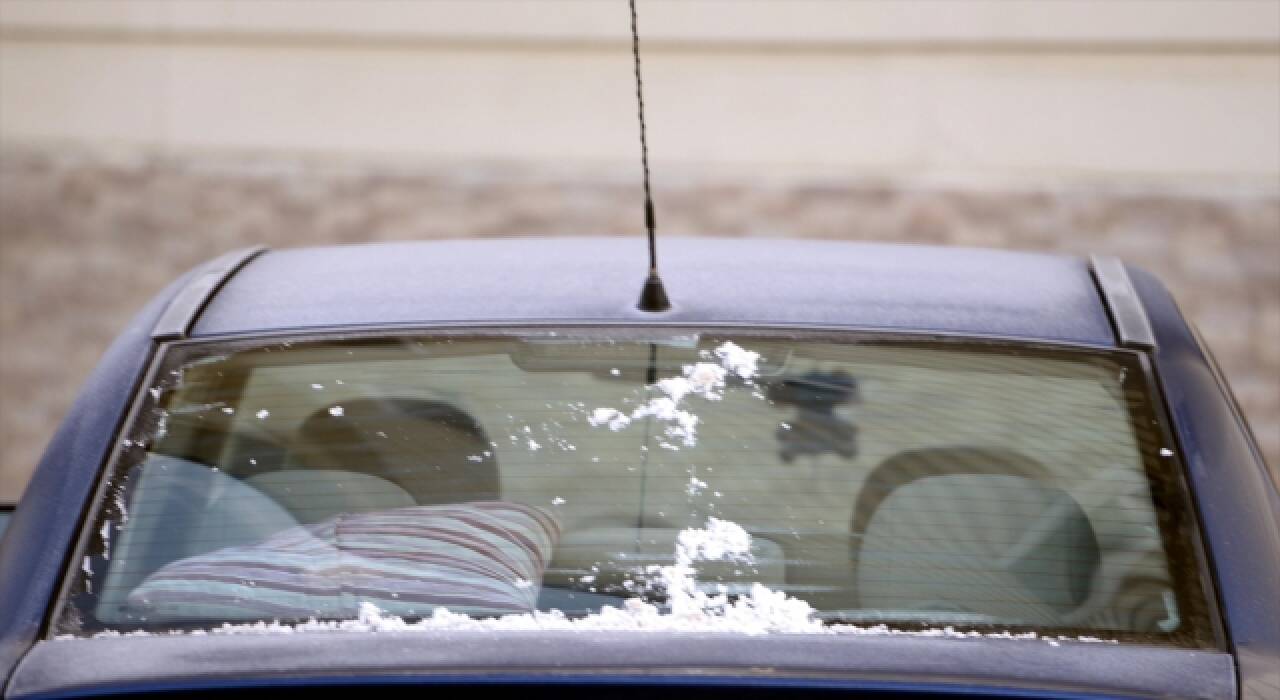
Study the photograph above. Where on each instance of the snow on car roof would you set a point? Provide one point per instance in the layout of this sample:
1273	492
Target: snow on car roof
877	286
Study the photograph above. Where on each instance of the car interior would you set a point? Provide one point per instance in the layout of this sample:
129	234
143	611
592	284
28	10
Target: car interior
881	484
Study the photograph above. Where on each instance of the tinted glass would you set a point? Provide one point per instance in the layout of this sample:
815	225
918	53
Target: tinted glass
793	481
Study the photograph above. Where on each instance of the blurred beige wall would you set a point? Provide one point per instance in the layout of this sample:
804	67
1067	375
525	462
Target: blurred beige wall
138	137
981	88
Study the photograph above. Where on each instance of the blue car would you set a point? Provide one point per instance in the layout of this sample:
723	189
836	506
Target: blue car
827	467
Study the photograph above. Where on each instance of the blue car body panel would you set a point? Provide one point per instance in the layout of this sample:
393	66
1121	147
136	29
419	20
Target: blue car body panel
751	283
981	667
1237	499
42	532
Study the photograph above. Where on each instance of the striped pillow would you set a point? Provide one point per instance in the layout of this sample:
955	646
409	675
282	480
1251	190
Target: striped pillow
482	558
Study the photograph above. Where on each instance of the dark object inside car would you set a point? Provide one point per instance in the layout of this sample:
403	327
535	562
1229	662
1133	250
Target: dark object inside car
816	428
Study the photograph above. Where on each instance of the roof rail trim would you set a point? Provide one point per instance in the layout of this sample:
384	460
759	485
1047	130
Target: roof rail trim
1128	315
181	314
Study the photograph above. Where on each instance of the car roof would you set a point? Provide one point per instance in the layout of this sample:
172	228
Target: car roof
710	281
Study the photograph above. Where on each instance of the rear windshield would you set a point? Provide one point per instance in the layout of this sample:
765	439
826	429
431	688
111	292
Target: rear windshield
628	479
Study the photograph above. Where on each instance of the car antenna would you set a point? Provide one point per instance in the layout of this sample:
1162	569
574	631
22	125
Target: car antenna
654	295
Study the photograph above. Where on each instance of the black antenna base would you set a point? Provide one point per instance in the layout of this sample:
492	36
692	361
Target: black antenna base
654	296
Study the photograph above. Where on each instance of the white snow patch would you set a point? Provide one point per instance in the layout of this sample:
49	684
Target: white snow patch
615	419
719	540
741	362
105	534
121	508
761	612
262	414
533	445
336	411
135	633
695	486
702	379
683	423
